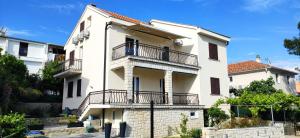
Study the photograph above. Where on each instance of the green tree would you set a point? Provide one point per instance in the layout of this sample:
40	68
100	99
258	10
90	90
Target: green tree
12	126
12	78
48	81
293	45
216	116
262	86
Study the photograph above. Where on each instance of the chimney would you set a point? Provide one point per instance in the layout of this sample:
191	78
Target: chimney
258	60
94	5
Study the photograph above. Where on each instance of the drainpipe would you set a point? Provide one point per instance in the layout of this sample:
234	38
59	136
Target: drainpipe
104	69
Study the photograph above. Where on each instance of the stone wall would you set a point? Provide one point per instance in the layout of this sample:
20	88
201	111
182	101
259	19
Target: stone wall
165	121
253	132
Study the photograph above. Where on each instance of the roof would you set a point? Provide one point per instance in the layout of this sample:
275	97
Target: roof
121	17
245	67
248	66
298	87
26	40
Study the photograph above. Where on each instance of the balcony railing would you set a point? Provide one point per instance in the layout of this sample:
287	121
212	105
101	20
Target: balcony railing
118	97
154	52
144	97
185	99
74	65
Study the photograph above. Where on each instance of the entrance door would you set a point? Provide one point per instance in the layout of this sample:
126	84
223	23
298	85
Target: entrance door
136	89
162	89
129	46
165	53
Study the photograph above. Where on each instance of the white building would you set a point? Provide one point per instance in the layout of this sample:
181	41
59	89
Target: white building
34	54
243	73
115	65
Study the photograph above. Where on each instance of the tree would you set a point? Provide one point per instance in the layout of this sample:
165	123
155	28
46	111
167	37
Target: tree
216	116
12	78
48	81
262	86
293	45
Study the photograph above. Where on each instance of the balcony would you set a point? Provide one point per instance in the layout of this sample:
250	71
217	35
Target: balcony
155	53
120	97
69	68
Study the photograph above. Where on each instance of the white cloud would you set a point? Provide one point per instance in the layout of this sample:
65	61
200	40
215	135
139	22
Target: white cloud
289	64
62	8
251	53
261	5
13	32
60	30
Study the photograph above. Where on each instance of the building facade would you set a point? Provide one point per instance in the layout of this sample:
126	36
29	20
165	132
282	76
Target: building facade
34	54
115	65
243	73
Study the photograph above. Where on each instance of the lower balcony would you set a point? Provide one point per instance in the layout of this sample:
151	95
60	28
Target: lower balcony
121	97
69	68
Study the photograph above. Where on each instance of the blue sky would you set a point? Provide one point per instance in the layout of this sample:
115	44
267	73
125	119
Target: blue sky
255	26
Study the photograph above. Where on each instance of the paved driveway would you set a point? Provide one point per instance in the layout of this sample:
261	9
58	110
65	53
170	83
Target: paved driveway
86	135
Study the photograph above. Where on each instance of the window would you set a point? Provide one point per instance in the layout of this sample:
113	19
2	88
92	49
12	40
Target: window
81	26
288	79
230	79
79	87
88	22
277	78
71	57
70	89
23	49
215	86
213	51
114	115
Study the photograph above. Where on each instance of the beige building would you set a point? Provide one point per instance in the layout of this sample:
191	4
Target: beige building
243	73
116	65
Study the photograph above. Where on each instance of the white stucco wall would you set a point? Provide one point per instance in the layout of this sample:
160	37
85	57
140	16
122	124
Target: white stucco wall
243	80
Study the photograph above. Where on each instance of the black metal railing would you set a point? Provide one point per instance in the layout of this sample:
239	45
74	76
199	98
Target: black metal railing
154	52
75	65
185	99
145	97
111	96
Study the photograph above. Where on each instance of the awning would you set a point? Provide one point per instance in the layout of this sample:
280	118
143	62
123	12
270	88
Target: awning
154	31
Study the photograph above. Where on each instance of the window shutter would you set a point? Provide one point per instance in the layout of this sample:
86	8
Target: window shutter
215	86
71	58
81	26
70	89
213	51
79	87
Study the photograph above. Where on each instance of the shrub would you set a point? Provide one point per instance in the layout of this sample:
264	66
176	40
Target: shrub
90	129
216	116
196	133
243	122
12	125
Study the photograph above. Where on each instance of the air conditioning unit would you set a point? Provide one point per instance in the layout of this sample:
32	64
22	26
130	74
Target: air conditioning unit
80	36
86	33
178	42
75	40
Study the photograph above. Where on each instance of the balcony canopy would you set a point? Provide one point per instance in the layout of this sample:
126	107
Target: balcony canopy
154	31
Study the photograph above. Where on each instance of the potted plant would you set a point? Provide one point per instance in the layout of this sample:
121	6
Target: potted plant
73	122
122	129
107	129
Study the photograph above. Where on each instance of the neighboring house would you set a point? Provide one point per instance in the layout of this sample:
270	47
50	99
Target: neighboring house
298	87
243	73
115	65
34	54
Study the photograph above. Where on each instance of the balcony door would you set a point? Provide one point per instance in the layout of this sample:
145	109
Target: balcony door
131	46
162	89
136	88
165	53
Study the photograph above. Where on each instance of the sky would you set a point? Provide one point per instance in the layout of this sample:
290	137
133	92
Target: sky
256	27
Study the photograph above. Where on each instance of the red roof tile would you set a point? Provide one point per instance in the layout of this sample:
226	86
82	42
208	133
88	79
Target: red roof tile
121	17
245	66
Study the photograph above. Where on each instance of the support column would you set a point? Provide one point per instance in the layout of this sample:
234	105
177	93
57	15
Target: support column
128	80
169	85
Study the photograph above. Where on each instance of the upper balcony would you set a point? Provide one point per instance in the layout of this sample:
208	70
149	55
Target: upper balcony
69	68
146	51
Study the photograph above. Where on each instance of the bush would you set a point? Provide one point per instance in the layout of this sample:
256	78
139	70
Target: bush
216	116
243	122
196	133
12	125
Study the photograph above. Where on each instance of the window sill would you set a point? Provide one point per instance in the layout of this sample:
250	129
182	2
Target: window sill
215	94
214	59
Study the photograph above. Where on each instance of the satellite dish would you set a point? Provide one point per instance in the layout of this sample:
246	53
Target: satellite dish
178	42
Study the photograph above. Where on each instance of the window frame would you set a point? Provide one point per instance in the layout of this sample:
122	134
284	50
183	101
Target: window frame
23	45
78	90
70	89
215	86
213	51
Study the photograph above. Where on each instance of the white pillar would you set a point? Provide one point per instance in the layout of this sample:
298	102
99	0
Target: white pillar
128	78
169	85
